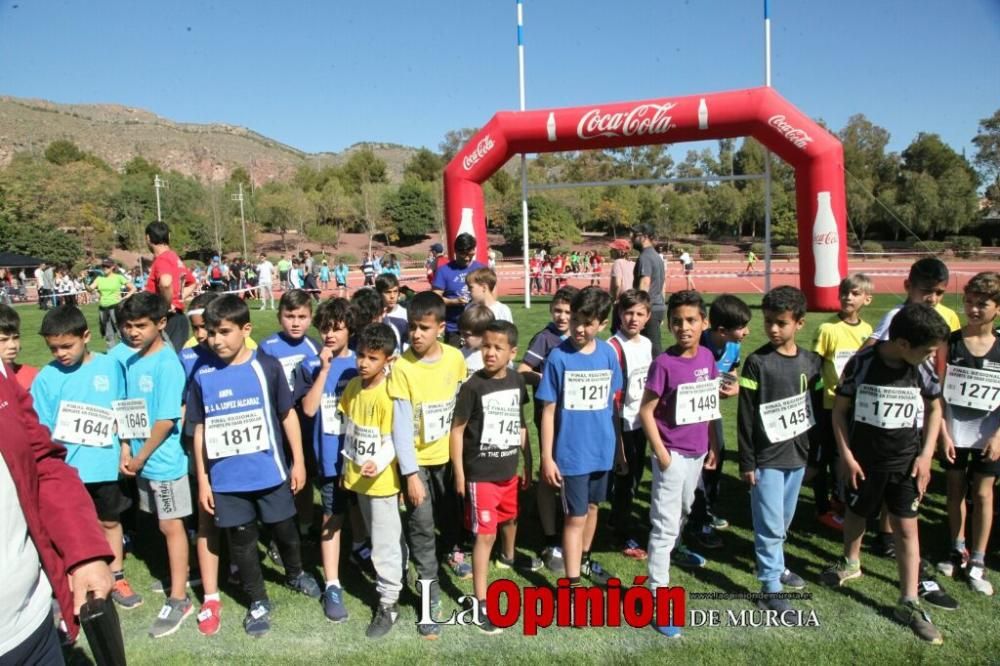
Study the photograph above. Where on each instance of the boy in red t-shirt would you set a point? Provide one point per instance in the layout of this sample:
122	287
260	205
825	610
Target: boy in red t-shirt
10	346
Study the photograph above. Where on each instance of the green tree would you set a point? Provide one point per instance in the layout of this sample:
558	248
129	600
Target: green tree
362	168
987	142
550	224
454	140
282	208
411	210
947	207
425	166
62	152
869	171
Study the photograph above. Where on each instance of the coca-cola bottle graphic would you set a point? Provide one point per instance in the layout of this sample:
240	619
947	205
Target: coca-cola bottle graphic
825	244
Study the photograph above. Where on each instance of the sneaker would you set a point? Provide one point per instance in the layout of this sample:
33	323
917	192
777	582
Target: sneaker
913	616
381	624
595	571
717	522
976	577
884	545
832	520
553	558
163	586
792	581
668	630
840	573
928	590
458	565
169	620
431	632
210	617
955	564
124	595
258	619
274	554
774	603
333	604
519	562
633	550
362	559
485	624
305	584
707	538
687	559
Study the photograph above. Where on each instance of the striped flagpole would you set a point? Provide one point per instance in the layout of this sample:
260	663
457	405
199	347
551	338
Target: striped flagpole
767	153
524	164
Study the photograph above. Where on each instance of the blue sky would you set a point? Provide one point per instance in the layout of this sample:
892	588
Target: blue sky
323	75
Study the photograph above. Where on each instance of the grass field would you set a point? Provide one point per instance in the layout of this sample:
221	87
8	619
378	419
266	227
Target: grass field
856	624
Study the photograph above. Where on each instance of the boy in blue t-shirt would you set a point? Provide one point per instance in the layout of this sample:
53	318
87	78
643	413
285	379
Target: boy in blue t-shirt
239	403
155	383
321	382
579	432
449	283
74	397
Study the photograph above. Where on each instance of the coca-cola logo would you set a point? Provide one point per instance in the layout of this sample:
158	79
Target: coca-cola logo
828	238
645	119
797	137
484	146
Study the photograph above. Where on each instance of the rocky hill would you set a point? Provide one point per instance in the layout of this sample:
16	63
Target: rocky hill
208	152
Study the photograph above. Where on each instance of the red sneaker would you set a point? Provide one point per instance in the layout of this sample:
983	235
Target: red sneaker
210	617
633	550
832	520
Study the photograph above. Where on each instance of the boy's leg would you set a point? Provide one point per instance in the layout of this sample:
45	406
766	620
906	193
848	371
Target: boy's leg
208	552
767	498
334	504
381	517
982	513
481	562
907	554
576	506
957	487
420	535
665	515
243	550
178	549
508	539
113	533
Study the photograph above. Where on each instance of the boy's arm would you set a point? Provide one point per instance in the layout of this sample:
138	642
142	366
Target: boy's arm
313	398
529	466
550	471
132	465
293	436
205	497
458	469
712	459
851	469
649	400
932	428
746	413
531	376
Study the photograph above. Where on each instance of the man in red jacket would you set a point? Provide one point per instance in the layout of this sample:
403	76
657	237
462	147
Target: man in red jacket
51	543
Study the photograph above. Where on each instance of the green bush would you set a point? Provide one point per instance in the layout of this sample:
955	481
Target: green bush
931	247
965	246
787	252
348	258
709	252
758	249
872	247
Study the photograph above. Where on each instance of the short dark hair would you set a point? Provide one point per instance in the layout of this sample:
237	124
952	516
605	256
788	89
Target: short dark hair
331	312
142	305
464	242
686	297
158	232
201	301
644	230
10	321
928	271
366	306
729	312
592	303
919	324
504	328
475	319
631	297
785	299
385	282
377	337
426	303
295	299
565	294
227	307
64	320
985	284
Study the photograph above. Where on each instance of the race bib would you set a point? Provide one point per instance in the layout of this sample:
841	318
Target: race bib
888	407
436	419
236	434
788	418
637	382
972	388
333	423
586	390
361	443
502	419
840	360
80	423
132	418
288	364
697	402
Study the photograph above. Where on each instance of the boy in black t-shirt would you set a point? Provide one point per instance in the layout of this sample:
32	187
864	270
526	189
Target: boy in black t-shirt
488	430
886	420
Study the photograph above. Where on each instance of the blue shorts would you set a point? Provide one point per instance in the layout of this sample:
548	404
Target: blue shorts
270	505
332	497
580	491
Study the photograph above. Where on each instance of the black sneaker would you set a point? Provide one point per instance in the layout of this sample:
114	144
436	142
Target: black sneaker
381	624
485	624
707	538
258	619
774	603
432	631
884	545
362	559
931	593
519	562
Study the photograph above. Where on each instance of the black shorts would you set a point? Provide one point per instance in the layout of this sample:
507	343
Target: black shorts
271	505
332	496
897	489
109	499
971	461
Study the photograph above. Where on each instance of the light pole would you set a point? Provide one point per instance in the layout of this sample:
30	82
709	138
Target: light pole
158	184
243	221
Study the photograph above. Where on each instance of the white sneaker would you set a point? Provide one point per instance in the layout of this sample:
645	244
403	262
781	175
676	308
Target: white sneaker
977	580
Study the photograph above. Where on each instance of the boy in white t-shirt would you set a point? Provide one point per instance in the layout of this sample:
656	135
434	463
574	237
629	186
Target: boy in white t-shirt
482	282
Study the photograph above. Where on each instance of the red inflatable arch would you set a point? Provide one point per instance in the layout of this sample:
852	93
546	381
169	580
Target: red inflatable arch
816	155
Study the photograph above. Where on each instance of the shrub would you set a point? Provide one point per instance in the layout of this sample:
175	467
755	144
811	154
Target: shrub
348	258
709	252
758	249
787	252
965	246
931	247
872	247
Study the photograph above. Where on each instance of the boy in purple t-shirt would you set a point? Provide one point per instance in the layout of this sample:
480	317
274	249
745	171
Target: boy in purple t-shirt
680	400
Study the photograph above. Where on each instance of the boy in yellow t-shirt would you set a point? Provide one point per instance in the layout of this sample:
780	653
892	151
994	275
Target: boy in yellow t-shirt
370	469
837	339
423	386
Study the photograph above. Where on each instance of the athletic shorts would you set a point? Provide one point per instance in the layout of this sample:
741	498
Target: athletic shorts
270	505
580	491
109	498
490	503
971	461
333	498
897	489
165	499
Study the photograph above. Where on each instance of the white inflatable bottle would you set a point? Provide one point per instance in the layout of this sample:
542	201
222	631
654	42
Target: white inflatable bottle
825	244
702	114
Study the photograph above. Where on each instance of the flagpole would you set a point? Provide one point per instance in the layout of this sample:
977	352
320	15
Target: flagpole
524	164
767	153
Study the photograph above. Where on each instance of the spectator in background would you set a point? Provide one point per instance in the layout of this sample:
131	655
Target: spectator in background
170	278
648	275
433	261
340	274
265	281
109	287
368	269
391	265
324	276
308	264
622	268
284	266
